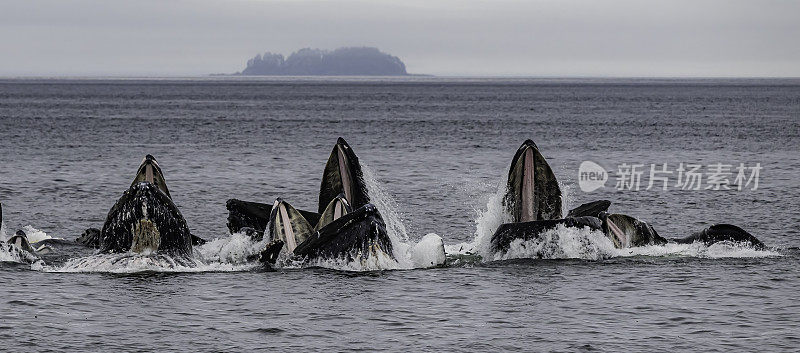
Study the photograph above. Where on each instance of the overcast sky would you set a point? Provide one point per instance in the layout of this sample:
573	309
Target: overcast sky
448	37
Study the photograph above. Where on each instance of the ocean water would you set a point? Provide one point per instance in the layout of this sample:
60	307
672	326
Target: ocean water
436	151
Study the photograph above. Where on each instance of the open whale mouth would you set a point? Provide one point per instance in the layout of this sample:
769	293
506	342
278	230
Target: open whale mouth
533	193
337	208
288	225
149	171
616	234
343	175
528	208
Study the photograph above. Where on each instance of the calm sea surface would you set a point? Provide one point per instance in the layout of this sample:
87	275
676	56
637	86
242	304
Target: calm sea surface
437	151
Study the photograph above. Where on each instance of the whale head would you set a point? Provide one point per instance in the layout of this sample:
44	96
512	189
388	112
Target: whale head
287	225
626	231
343	175
337	208
20	240
150	172
532	191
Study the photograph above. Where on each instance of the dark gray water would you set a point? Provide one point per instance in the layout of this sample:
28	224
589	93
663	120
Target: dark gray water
439	150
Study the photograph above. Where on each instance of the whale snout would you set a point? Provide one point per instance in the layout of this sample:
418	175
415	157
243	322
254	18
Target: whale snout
149	171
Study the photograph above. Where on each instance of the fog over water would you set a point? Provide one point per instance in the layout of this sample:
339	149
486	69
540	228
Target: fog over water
448	37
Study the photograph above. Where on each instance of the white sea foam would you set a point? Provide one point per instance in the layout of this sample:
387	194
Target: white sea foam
428	252
373	262
35	235
228	254
579	243
583	243
235	249
561	243
133	263
713	251
12	254
8	256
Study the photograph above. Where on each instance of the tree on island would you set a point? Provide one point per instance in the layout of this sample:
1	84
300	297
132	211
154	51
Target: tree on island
354	61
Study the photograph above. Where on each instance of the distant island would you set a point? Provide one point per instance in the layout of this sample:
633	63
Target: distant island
349	61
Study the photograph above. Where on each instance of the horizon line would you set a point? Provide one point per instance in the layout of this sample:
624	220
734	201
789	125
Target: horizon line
411	75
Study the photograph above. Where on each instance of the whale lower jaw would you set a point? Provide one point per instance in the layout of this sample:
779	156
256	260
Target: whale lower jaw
146	237
145	220
355	236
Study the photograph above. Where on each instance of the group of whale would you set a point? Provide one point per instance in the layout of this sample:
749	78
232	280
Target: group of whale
346	225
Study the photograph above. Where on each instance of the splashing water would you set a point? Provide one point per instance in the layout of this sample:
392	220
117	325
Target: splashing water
714	251
576	243
35	235
3	236
486	223
228	254
386	205
133	263
9	254
373	262
408	254
235	249
561	243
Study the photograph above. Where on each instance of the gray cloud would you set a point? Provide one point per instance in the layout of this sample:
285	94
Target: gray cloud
449	37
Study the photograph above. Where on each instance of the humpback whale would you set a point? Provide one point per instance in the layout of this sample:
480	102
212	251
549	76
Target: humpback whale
288	225
144	219
19	246
358	234
346	225
533	200
722	232
626	231
244	216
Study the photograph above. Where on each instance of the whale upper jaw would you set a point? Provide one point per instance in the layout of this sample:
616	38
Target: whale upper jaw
532	192
343	175
149	171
